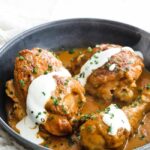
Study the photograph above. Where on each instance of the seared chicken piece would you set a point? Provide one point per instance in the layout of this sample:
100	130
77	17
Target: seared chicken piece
64	103
96	133
116	78
29	65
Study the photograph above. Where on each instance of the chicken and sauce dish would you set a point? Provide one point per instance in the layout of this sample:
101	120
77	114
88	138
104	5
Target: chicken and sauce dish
84	98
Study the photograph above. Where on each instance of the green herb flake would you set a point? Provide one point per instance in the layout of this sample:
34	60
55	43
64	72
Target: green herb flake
72	59
90	49
142	137
50	68
82	75
107	110
85	117
148	86
111	116
96	62
22	83
21	57
35	70
89	128
96	57
55	101
46	145
64	109
46	72
80	52
43	93
66	82
71	51
44	112
110	129
39	113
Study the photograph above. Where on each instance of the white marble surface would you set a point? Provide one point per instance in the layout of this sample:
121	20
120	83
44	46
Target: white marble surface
19	15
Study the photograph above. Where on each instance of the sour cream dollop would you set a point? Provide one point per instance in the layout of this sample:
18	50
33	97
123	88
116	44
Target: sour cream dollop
39	92
99	59
116	119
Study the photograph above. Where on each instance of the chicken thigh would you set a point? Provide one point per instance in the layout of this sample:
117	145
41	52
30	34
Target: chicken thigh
109	71
65	101
105	131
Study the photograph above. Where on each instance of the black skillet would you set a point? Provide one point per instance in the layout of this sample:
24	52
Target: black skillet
68	34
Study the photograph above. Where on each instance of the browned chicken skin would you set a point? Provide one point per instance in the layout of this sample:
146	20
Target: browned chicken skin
94	132
107	84
29	65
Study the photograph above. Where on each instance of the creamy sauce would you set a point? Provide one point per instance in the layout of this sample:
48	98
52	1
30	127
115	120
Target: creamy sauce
39	92
29	130
116	119
97	61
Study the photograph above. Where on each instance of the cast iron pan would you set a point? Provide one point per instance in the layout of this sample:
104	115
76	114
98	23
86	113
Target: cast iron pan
71	33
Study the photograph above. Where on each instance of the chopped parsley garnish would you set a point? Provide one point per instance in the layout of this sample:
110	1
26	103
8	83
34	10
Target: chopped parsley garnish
46	145
108	65
35	69
71	51
22	83
107	110
90	49
142	137
50	68
148	86
39	113
80	52
139	99
21	57
89	128
82	75
95	56
66	82
72	59
85	117
96	62
111	116
134	104
32	112
46	72
110	129
43	93
55	101
44	112
64	109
